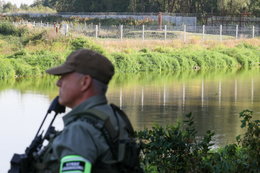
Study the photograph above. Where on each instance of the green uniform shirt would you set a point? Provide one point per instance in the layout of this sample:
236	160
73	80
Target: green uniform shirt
78	138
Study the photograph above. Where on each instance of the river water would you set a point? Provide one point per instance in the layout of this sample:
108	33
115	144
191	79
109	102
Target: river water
215	100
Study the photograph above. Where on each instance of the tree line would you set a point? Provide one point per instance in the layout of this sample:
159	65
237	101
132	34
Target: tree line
201	7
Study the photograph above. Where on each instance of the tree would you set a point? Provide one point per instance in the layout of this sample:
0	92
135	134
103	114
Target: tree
49	3
254	7
24	7
201	7
92	5
9	7
232	7
1	6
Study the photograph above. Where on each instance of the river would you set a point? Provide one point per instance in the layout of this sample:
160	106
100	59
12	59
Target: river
215	100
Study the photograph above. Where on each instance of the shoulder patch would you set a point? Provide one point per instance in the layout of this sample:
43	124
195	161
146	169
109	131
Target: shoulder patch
75	164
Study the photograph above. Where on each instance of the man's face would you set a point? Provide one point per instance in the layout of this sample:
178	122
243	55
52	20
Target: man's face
69	89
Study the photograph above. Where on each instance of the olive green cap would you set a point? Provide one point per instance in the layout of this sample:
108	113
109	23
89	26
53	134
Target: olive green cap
86	61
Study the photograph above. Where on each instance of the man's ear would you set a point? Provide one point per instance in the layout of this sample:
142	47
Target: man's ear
86	82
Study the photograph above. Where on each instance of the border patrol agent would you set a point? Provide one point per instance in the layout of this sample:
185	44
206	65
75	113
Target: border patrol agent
81	147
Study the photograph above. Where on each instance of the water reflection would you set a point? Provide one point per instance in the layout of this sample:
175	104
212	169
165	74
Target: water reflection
215	99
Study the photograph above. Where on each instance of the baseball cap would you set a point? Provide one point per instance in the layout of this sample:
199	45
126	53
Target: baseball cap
86	61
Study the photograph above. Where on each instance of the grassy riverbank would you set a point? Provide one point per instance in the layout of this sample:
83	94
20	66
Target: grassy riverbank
28	52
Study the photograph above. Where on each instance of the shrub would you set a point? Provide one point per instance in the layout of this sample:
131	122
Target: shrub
183	61
173	149
81	42
230	62
246	56
6	69
177	149
7	28
251	139
38	61
43	60
34	37
21	68
125	63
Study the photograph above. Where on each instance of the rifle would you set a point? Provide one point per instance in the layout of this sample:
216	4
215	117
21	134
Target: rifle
20	163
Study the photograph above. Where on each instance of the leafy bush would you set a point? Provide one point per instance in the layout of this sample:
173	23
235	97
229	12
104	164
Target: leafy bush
7	28
27	64
82	42
251	139
185	63
34	37
173	149
125	63
161	59
177	149
230	62
43	60
21	68
6	69
246	56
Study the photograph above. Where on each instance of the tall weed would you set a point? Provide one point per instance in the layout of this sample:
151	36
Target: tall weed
6	69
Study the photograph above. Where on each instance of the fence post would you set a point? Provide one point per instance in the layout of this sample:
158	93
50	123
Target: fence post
96	31
184	33
165	32
99	28
121	32
143	33
236	31
220	32
41	24
66	29
253	32
203	32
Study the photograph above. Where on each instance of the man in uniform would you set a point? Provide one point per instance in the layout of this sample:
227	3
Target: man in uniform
81	147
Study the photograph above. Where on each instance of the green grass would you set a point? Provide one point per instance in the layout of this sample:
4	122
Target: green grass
30	53
186	59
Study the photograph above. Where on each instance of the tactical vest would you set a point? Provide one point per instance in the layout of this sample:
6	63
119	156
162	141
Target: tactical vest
125	152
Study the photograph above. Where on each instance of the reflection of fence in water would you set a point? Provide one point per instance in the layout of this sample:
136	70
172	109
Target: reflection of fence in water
215	104
167	32
181	93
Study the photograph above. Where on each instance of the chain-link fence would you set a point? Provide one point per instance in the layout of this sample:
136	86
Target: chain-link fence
163	32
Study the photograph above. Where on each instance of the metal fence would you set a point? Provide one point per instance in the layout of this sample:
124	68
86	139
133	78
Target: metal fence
164	32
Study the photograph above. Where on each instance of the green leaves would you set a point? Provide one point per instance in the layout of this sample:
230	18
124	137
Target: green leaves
81	42
178	149
172	148
7	28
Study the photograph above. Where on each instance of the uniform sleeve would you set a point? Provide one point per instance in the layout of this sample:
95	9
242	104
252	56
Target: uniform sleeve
80	139
74	163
